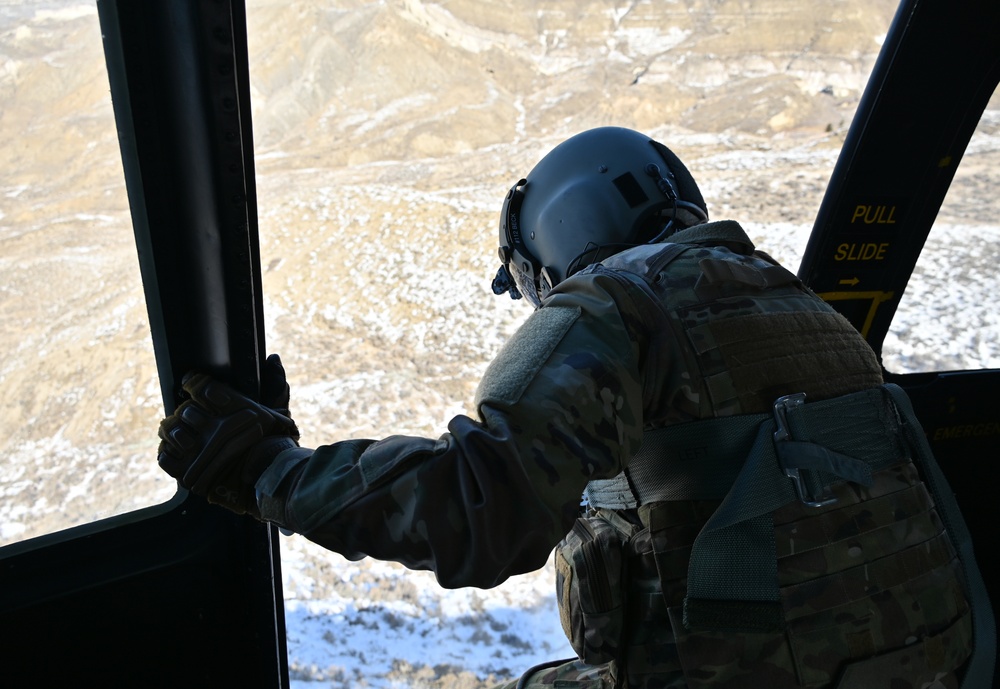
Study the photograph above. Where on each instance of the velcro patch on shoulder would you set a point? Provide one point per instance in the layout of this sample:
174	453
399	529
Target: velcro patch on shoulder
515	366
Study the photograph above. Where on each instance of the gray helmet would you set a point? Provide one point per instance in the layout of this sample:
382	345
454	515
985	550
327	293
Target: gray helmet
593	195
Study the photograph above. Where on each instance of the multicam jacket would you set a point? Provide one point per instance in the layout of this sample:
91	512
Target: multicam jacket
701	327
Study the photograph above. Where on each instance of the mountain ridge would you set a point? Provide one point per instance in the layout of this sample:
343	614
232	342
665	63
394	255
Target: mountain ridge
575	63
386	134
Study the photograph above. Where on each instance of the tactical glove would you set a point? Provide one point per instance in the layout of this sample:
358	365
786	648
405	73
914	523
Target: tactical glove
218	442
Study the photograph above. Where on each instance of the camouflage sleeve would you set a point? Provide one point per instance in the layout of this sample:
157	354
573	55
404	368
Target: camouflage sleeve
560	405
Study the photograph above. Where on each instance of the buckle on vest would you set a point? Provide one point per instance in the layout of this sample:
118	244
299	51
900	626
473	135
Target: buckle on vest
782	406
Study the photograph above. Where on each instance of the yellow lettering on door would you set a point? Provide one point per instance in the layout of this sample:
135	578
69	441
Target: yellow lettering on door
874	215
863	251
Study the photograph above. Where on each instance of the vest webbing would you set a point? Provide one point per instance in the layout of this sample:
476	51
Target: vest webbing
748	462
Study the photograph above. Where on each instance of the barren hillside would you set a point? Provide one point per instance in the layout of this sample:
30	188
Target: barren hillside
387	133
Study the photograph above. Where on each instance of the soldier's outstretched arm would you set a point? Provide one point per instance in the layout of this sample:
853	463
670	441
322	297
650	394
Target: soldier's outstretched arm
561	405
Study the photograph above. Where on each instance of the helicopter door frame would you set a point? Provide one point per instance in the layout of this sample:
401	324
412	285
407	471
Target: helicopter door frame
184	593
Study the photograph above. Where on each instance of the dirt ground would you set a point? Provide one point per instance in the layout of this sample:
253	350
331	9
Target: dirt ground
379	186
387	135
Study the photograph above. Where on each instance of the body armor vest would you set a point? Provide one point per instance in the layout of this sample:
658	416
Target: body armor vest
740	558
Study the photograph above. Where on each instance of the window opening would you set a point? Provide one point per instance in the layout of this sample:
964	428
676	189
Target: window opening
81	402
386	135
947	319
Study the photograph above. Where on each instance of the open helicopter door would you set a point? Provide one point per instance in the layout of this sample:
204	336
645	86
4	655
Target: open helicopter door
182	594
937	71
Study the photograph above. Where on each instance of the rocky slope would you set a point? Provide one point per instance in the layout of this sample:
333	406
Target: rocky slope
387	132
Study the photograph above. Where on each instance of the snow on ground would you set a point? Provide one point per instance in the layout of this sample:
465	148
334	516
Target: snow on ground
376	275
376	624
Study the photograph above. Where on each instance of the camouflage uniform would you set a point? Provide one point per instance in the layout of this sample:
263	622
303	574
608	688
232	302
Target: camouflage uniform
657	335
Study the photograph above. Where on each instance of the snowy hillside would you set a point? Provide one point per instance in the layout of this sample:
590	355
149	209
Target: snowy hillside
387	133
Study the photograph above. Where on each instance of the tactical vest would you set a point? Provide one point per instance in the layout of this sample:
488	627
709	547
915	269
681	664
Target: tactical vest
785	540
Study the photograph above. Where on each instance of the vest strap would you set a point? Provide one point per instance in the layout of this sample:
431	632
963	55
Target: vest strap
702	460
737	459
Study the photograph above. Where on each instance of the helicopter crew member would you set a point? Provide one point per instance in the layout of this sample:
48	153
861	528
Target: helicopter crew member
754	514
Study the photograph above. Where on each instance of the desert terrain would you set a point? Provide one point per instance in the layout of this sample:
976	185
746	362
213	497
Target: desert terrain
386	135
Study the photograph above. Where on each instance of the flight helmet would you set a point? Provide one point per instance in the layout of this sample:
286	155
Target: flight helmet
594	195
